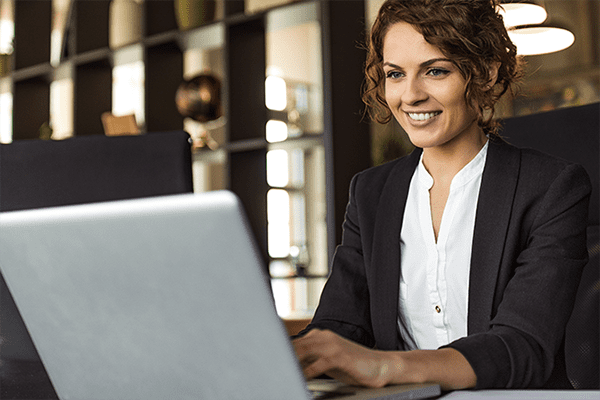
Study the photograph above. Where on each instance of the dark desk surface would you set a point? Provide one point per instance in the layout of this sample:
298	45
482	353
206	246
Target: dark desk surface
28	380
21	379
522	395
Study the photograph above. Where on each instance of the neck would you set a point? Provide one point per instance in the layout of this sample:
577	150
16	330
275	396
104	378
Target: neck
444	162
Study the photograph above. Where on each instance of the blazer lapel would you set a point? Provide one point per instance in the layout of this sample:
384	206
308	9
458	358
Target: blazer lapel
385	264
494	206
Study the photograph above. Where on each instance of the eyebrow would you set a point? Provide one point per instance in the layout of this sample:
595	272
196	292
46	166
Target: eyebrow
422	65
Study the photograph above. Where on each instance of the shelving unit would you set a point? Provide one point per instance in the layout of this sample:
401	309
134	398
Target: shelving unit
331	145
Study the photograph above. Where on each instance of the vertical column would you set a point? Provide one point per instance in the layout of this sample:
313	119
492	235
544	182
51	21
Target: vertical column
246	114
32	33
347	138
93	96
164	74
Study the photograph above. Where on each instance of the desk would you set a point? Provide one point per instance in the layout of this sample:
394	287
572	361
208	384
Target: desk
522	395
25	380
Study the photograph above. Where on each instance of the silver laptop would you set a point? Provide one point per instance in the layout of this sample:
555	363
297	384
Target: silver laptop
153	298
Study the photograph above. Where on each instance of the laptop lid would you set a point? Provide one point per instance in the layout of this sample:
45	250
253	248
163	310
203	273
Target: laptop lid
152	298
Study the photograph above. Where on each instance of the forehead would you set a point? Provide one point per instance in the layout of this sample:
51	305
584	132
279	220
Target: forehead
403	43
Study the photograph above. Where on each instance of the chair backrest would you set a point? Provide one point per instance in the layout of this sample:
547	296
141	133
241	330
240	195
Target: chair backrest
86	169
573	134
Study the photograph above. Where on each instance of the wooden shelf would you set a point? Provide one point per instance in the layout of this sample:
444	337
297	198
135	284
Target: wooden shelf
35	71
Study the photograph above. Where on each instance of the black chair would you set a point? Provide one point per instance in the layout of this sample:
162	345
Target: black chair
573	134
37	173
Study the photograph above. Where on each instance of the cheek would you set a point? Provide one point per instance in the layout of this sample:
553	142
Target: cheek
456	99
391	96
463	110
387	93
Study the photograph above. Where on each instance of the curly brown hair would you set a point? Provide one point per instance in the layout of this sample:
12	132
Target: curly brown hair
469	32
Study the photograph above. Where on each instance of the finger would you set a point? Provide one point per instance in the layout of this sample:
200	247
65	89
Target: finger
324	366
316	368
312	343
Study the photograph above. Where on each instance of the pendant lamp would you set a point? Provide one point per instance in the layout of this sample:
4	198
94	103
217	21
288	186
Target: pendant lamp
528	30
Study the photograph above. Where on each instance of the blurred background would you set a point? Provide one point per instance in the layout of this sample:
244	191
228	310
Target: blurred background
269	91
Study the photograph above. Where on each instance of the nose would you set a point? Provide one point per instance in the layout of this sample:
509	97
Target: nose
413	91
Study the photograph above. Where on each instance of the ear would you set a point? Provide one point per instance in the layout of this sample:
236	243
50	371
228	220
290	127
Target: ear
493	75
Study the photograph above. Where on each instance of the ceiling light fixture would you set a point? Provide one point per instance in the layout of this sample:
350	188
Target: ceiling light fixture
535	40
524	23
516	14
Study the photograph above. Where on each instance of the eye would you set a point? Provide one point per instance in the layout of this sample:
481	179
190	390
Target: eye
393	75
437	72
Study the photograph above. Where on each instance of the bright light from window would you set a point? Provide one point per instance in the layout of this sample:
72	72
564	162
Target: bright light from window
277	168
297	167
128	90
283	296
7	27
278	216
56	38
276	131
61	108
291	296
278	206
6	106
60	10
275	93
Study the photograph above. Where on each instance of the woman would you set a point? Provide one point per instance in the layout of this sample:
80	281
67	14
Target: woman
460	262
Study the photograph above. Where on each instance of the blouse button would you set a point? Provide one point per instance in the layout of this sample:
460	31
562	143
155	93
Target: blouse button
438	309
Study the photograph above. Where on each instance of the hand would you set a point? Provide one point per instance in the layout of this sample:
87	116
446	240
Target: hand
324	352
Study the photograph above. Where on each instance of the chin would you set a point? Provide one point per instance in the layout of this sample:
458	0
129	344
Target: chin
424	141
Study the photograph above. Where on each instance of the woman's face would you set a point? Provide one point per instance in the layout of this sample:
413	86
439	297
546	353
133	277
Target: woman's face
425	91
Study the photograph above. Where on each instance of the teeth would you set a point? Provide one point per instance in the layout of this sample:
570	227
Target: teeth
422	116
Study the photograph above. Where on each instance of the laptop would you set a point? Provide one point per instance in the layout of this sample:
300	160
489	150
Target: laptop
154	298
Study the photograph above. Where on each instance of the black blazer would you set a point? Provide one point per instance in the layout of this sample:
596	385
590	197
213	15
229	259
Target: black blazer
529	248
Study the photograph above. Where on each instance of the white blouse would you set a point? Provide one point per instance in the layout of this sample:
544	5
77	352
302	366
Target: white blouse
434	280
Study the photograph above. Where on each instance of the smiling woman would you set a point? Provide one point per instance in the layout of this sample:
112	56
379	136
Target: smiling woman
460	262
474	48
424	90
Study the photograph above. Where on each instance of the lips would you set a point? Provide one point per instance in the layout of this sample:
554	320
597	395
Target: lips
423	116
